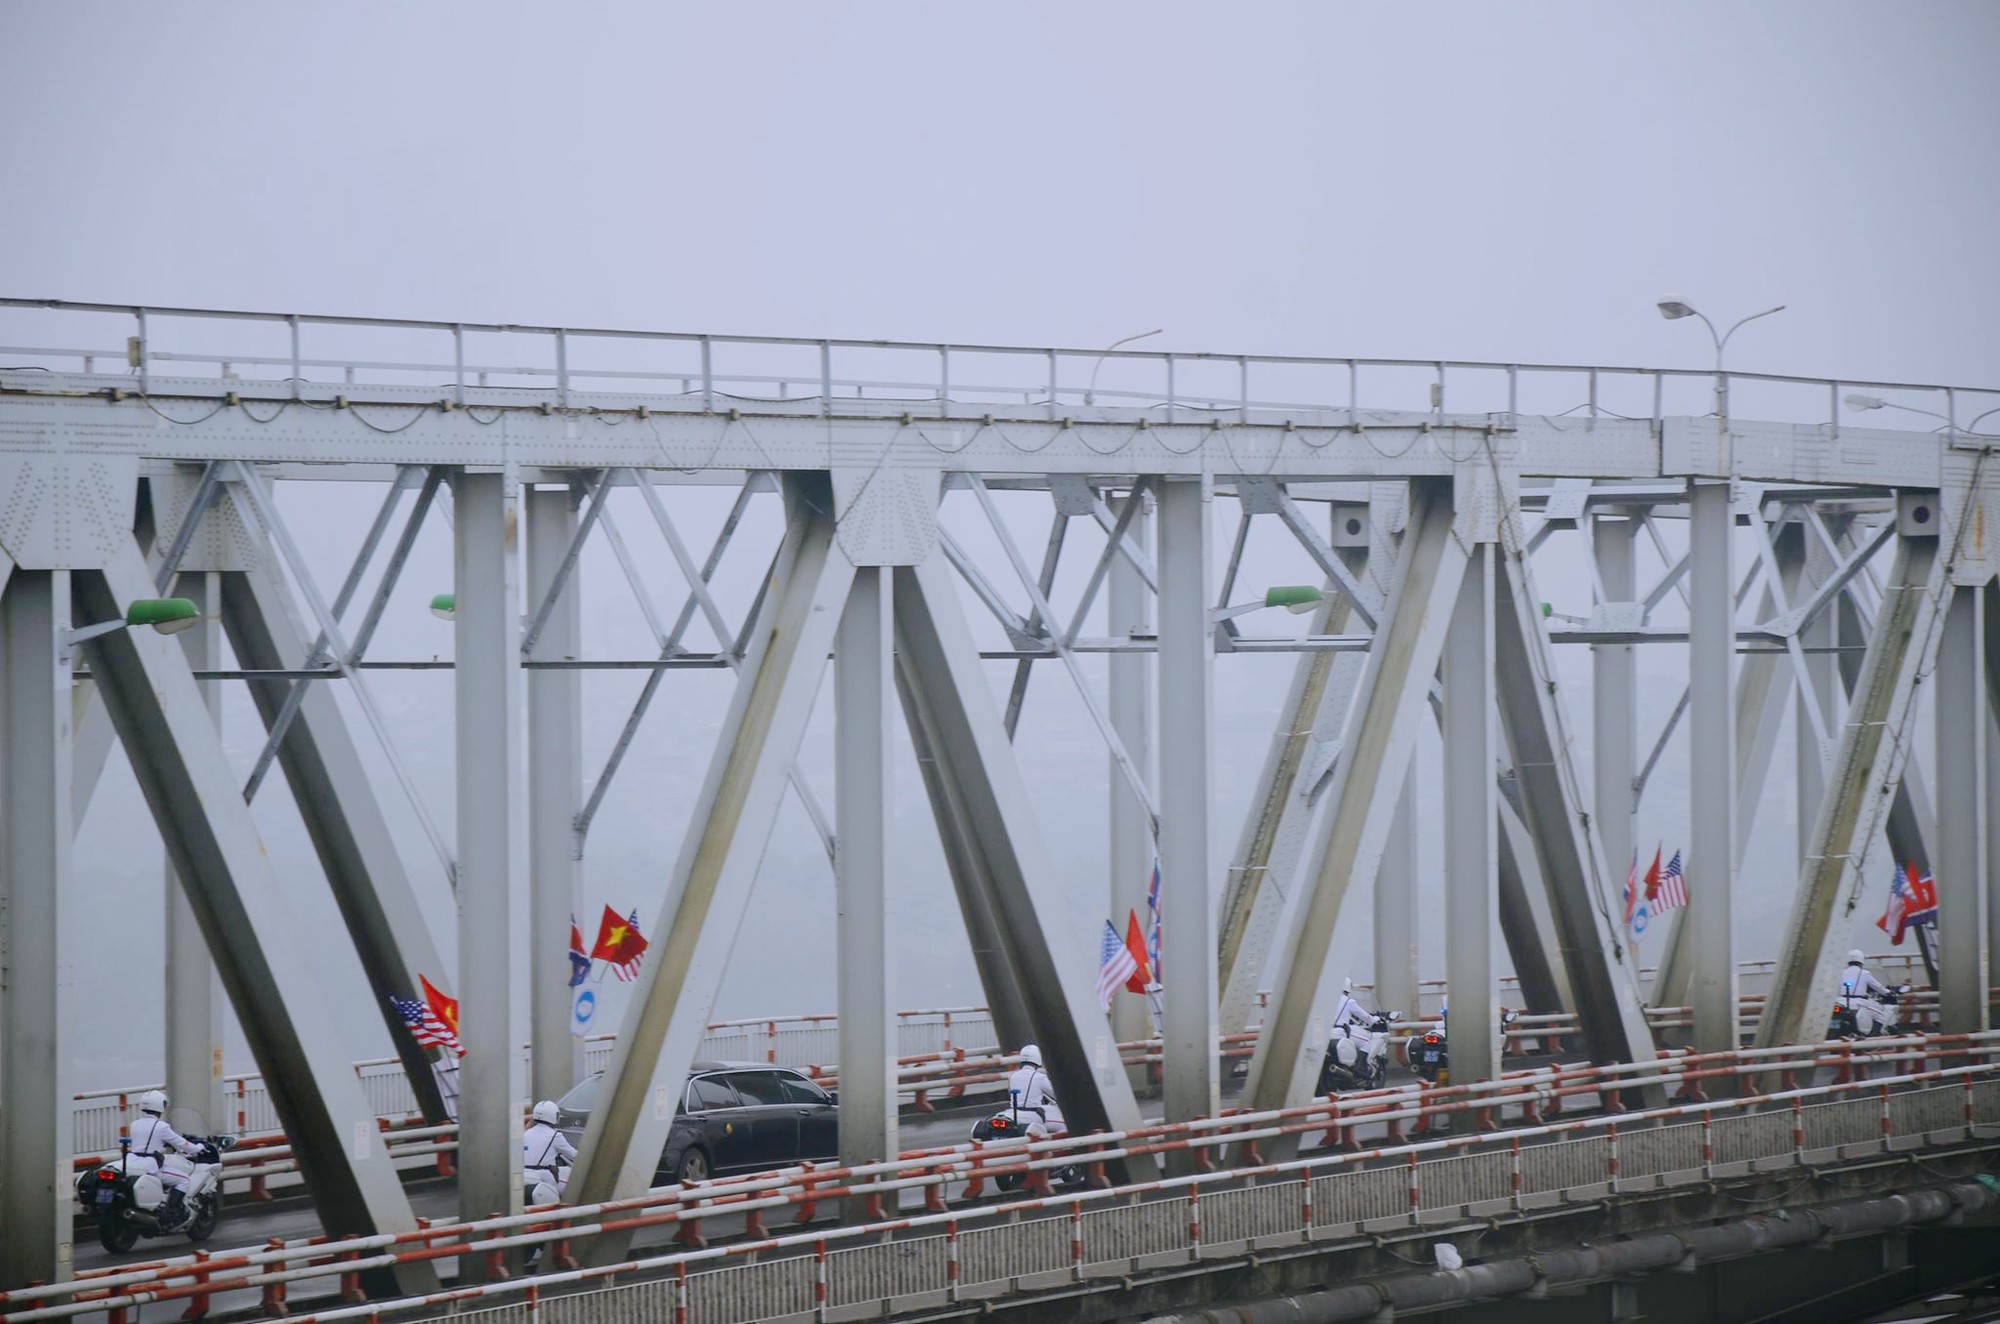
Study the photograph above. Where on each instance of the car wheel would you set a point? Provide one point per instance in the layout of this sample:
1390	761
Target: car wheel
115	1234
692	1167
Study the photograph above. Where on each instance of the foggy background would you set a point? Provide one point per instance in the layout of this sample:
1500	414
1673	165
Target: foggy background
1462	181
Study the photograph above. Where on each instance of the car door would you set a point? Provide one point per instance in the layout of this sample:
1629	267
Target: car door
717	1111
772	1118
819	1117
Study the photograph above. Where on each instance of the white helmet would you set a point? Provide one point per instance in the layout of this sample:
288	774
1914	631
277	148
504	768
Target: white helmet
1855	957
153	1101
546	1111
1031	1055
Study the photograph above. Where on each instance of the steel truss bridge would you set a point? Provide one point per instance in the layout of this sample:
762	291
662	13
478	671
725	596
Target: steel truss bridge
1804	562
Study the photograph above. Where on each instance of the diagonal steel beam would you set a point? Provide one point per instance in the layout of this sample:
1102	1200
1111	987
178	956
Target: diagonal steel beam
379	899
709	892
1874	745
1017	694
1127	513
270	968
1365	603
1368	783
1603	976
1048	960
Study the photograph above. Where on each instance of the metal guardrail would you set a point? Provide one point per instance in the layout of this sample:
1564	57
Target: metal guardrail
687	367
1049	1239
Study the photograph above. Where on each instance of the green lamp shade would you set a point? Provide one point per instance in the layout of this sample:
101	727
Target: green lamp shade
1293	597
445	606
167	615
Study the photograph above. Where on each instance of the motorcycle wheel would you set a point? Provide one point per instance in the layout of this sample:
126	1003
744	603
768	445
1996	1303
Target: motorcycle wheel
1009	1181
206	1215
115	1234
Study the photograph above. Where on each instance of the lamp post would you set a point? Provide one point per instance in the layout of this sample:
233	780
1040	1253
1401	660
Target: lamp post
1295	598
1861	403
166	615
1090	391
1673	309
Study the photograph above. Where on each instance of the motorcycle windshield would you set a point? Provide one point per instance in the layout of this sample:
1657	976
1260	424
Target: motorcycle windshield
189	1123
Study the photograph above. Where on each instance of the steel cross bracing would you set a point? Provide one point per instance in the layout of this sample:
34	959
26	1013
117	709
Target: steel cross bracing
908	480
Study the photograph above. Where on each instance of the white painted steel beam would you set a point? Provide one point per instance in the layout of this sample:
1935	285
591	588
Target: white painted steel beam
1471	859
709	891
864	717
1191	1068
1961	866
492	875
555	790
380	900
1602	975
36	891
1396	899
194	1008
1614	678
1873	749
1990	611
1051	964
1711	853
270	968
1128	609
1527	922
1368	782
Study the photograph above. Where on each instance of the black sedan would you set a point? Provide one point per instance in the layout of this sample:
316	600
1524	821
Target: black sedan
734	1117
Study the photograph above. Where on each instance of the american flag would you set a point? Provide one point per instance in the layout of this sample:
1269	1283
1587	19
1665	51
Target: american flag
1673	887
425	1025
1153	923
634	951
1114	966
1912	901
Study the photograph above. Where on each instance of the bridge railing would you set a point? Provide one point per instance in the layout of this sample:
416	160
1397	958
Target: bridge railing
284	358
1941	1090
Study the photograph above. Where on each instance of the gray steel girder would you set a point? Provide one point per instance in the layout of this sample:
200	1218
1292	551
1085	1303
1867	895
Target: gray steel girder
1874	745
709	891
1603	979
1000	859
36	894
268	966
1368	783
1526	921
378	897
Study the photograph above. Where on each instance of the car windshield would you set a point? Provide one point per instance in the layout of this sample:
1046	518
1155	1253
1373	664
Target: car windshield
583	1097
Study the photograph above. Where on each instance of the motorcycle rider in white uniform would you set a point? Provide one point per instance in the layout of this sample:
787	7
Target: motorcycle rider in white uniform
546	1154
1856	982
1030	1091
152	1140
1349	1012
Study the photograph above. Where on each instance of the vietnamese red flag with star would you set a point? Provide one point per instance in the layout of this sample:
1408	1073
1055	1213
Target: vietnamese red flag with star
1135	943
445	1009
619	943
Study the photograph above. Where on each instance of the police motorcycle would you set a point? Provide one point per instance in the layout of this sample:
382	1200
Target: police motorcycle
1430	1052
1859	1016
1357	1054
1024	1124
127	1198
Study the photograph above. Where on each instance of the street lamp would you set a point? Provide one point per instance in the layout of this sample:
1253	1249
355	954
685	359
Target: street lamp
1857	401
1090	392
1673	309
1295	598
445	606
166	615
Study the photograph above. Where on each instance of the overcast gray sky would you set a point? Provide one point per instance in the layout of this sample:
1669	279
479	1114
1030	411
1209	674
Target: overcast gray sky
1515	183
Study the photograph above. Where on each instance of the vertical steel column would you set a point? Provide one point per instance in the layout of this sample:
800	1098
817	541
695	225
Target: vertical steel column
1817	637
1711	864
35	834
864	681
1471	860
555	786
194	997
1991	637
1129	608
1614	685
1396	905
490	883
1187	693
1960	868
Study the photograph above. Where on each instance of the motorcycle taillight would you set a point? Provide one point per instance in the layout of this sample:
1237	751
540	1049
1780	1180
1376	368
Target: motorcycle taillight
107	1174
